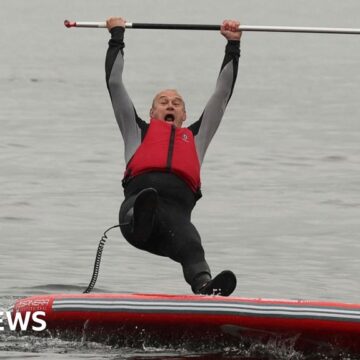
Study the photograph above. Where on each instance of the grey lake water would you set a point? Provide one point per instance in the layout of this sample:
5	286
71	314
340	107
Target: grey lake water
281	179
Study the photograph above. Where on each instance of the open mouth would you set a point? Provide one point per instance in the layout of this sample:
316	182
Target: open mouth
169	117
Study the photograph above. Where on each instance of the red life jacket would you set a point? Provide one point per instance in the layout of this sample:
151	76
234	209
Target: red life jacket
168	149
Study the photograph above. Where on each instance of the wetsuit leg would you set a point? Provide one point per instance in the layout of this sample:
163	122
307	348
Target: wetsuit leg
137	217
177	238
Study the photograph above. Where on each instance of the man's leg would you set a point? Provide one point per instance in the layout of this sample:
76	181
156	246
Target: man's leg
137	217
186	248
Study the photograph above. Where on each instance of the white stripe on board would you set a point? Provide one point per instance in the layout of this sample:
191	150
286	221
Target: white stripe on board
207	308
199	306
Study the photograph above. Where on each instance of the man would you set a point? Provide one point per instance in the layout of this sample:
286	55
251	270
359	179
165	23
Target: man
162	177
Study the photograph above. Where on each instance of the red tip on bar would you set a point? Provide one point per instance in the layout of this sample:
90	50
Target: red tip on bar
69	24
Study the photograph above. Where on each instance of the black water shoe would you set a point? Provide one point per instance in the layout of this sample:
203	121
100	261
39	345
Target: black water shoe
223	284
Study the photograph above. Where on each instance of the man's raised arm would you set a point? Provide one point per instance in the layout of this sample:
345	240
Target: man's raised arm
129	123
205	128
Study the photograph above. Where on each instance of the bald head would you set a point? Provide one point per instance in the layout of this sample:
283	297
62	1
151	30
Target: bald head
168	105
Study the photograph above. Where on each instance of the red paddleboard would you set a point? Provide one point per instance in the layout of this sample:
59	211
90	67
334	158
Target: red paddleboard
174	319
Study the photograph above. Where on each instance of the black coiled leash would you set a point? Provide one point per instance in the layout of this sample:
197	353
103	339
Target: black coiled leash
98	260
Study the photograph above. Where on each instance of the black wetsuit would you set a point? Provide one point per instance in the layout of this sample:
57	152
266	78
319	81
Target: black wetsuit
172	233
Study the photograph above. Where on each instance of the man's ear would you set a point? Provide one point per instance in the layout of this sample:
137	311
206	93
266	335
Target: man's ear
151	112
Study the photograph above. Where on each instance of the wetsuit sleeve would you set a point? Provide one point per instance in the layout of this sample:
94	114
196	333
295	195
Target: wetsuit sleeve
131	126
205	128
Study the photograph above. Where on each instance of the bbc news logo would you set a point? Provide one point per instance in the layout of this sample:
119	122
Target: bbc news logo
21	321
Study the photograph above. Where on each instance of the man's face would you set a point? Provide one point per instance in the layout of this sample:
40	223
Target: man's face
169	106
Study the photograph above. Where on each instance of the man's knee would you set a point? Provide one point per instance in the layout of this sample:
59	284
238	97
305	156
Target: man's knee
137	217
